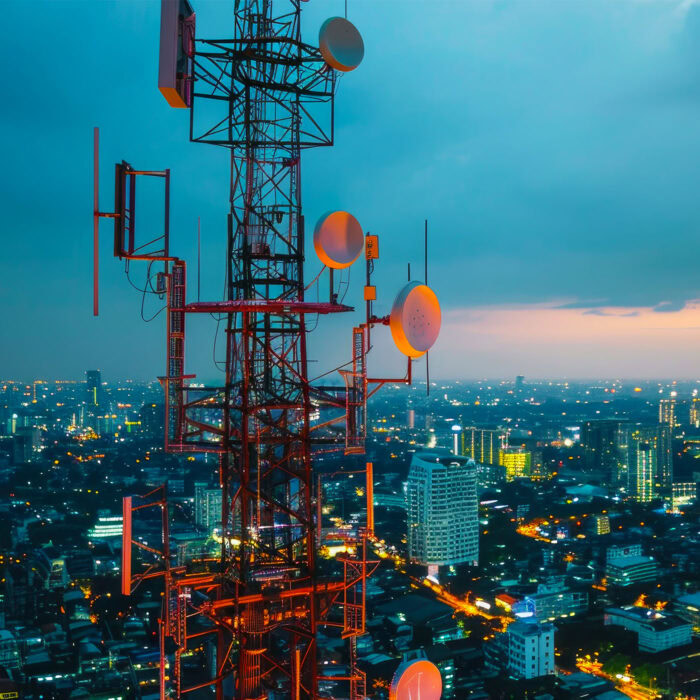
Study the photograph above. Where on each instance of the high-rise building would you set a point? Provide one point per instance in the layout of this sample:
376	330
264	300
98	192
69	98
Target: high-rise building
26	444
644	467
199	488
695	412
650	461
602	524
482	444
539	469
667	413
602	442
207	505
443	516
93	389
530	649
517	462
456	432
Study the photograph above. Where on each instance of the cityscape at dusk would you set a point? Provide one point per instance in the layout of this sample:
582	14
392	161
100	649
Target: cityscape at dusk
351	350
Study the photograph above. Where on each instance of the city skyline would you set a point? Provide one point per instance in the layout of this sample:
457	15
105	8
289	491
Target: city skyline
393	394
549	178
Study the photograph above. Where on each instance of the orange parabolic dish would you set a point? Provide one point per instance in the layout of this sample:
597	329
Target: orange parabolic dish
338	239
415	319
341	44
416	679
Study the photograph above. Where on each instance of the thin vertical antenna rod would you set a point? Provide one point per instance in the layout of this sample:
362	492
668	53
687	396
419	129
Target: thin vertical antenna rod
426	252
95	222
409	272
427	354
199	255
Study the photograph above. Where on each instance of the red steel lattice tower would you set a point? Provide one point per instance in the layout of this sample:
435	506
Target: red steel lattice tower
260	417
264	95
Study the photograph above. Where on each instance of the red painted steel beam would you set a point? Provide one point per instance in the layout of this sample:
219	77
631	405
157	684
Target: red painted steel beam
265	306
126	546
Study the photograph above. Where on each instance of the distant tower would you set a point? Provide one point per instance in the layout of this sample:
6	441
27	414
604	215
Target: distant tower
695	413
443	516
411	417
667	412
93	389
457	434
644	466
519	383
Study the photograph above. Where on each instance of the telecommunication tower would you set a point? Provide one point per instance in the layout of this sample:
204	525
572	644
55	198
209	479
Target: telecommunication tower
264	95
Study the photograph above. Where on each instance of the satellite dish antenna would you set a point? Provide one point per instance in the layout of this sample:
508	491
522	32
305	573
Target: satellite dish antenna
341	45
338	239
418	678
415	319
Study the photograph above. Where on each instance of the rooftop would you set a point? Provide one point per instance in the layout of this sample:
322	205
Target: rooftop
653	618
626	562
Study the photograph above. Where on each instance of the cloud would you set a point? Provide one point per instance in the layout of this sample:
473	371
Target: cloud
669	306
600	312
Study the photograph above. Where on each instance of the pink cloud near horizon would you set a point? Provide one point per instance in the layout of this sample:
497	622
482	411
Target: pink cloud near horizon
546	341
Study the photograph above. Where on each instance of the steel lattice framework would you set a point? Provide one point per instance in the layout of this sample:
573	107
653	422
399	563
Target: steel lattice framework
266	96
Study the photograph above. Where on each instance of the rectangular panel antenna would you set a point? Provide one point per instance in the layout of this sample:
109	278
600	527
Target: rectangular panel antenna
177	23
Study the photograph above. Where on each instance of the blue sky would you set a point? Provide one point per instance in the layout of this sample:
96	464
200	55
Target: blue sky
554	147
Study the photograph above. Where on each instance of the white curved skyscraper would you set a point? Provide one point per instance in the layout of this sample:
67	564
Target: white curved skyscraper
443	510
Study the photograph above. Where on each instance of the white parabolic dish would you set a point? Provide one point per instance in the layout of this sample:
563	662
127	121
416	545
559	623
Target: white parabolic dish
415	319
341	45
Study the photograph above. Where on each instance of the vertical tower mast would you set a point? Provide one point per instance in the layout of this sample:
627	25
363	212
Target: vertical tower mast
267	512
265	95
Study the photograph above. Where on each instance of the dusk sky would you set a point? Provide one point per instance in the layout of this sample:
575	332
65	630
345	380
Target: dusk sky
554	147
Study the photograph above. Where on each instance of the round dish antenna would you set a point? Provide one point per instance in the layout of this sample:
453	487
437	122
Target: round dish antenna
341	45
418	678
415	319
338	239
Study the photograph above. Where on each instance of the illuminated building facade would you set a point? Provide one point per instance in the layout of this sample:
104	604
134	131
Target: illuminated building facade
516	461
667	412
644	467
694	414
650	461
93	389
207	505
106	527
442	508
483	444
602	525
683	493
539	470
